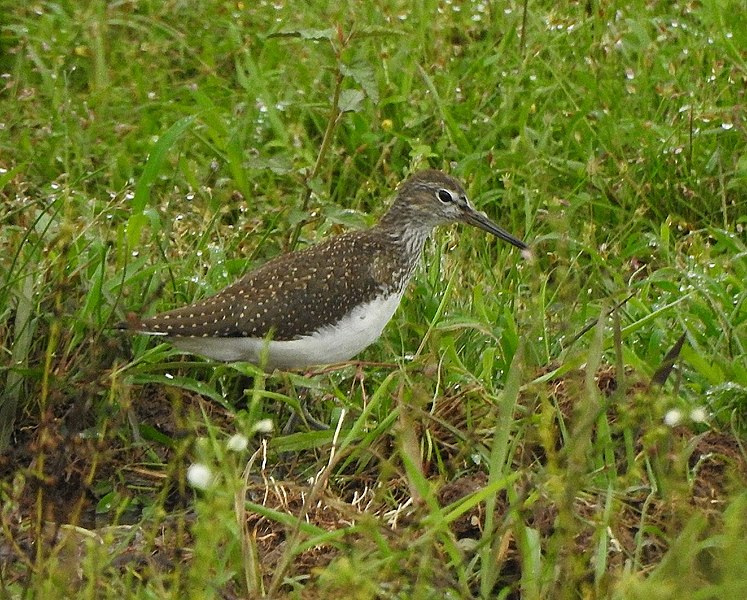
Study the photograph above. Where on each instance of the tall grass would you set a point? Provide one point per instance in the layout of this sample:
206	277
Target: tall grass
502	438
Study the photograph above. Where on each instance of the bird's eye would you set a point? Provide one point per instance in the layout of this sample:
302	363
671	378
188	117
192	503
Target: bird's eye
445	196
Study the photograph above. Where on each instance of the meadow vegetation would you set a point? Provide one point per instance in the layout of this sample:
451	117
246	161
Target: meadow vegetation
570	425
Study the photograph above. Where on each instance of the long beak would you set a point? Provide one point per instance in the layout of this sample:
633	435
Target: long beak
472	217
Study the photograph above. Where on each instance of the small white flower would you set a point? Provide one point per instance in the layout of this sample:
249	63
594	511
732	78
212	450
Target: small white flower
698	415
264	426
237	442
673	417
199	476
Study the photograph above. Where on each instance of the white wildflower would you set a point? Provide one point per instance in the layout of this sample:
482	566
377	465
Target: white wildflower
237	442
199	476
673	417
264	426
698	415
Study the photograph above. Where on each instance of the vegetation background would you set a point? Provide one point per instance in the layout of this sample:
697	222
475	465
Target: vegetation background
567	426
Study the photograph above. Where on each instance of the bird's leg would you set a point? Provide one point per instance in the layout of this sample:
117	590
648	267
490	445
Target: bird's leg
302	414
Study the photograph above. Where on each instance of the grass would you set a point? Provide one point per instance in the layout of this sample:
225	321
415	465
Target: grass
502	439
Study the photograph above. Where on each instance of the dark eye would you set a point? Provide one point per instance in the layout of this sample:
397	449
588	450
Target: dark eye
444	196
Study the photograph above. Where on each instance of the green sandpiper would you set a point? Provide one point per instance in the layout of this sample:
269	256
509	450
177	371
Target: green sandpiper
326	303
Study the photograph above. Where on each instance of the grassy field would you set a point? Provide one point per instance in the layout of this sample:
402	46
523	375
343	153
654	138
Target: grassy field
567	426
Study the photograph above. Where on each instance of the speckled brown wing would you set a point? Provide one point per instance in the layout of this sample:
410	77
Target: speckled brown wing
291	295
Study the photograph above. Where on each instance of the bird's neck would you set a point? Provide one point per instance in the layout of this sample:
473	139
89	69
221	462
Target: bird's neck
406	234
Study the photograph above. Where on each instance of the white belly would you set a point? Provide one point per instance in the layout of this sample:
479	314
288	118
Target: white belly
329	345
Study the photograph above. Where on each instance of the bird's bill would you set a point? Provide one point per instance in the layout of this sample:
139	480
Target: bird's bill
479	220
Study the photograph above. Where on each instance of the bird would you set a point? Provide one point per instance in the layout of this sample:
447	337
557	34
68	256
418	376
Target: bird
324	304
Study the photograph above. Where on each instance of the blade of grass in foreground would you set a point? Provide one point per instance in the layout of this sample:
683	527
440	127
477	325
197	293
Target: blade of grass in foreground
496	471
23	333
